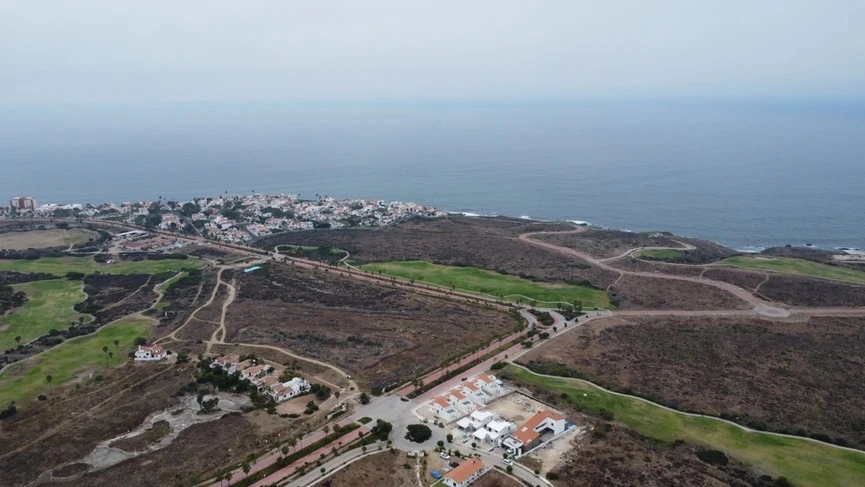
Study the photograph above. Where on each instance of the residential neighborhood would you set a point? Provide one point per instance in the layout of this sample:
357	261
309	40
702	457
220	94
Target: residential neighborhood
264	377
233	218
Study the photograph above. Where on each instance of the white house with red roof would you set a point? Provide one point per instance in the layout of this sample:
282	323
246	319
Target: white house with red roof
465	473
444	410
459	400
227	362
148	353
529	435
284	391
253	372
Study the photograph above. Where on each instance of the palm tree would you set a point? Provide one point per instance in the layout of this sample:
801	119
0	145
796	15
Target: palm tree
105	351
48	379
116	345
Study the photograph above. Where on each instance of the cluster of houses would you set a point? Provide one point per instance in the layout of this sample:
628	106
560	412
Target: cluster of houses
465	405
470	396
264	377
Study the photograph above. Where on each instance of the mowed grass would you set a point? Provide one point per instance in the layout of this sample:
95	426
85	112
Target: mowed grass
59	266
493	283
659	253
796	266
803	462
23	381
49	305
45	238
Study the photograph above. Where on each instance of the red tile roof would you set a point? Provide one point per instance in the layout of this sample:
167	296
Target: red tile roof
465	470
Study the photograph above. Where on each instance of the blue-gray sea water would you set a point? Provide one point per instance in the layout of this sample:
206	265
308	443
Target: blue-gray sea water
746	175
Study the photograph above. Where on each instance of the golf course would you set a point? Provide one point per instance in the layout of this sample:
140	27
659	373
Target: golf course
511	288
24	380
803	462
802	267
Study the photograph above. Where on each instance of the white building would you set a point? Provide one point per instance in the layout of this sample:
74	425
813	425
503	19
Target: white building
227	362
529	435
464	474
495	432
287	390
146	353
444	410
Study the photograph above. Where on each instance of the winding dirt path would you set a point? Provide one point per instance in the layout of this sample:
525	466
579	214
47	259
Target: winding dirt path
759	306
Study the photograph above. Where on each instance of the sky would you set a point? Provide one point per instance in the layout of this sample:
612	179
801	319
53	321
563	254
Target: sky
165	51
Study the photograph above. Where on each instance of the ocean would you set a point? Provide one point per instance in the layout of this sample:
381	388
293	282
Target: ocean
747	175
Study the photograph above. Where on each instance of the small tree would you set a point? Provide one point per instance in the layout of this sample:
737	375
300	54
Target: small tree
48	379
246	468
364	398
450	438
18	339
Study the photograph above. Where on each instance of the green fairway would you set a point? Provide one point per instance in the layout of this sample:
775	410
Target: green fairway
59	266
49	305
803	462
24	380
659	253
796	266
492	283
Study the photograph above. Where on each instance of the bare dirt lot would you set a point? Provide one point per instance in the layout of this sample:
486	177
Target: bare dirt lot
377	470
800	377
637	292
38	239
376	332
494	478
488	243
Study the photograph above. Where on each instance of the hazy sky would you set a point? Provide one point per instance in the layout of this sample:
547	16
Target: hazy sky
158	50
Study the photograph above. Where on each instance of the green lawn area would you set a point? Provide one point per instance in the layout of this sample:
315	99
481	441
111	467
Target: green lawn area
24	380
796	266
49	305
493	283
803	462
659	253
61	265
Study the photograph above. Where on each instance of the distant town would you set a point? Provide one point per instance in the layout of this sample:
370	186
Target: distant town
231	218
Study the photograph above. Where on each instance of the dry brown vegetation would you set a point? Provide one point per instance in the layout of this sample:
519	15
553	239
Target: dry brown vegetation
637	292
810	291
374	331
639	265
801	377
613	455
611	243
488	243
377	470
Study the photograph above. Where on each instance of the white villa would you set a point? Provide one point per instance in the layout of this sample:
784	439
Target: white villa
286	390
494	432
529	435
147	353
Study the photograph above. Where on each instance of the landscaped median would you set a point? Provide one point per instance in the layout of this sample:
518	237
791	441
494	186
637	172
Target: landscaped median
803	462
490	283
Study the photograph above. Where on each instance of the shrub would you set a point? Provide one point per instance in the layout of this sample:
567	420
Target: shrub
713	457
418	433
